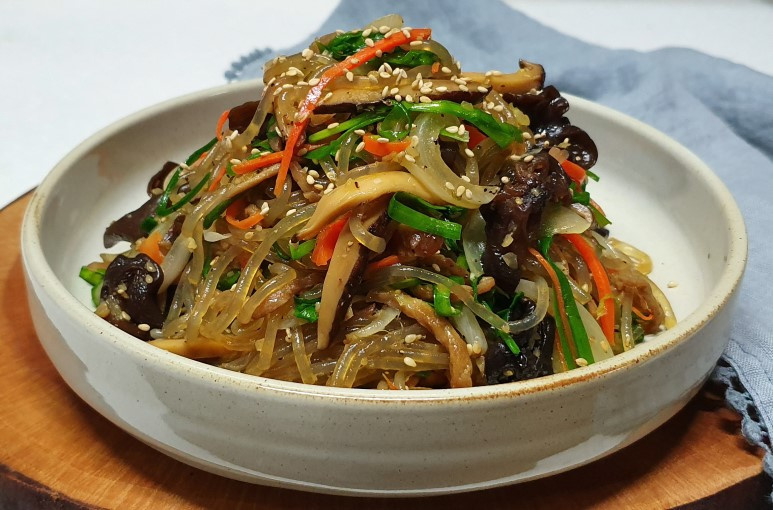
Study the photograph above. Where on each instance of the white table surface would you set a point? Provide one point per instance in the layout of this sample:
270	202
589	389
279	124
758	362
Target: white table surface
68	69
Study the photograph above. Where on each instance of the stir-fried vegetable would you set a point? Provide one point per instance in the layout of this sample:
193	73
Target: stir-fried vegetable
406	215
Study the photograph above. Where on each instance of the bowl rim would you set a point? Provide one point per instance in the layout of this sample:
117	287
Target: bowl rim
38	270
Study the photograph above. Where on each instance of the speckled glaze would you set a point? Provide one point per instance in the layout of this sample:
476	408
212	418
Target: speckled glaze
366	442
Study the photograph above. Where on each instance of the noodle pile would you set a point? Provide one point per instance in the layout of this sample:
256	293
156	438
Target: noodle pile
381	219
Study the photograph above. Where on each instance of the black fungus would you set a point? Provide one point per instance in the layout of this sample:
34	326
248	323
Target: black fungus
128	226
535	358
514	216
134	283
241	116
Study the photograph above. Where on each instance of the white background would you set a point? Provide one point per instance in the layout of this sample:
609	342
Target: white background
69	68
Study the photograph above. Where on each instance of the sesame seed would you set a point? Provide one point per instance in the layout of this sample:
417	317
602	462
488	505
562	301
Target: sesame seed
143	327
398	97
385	75
526	136
445	70
483	89
528	158
416	43
381	139
385	92
366	32
507	241
191	244
406	32
505	179
469	349
318	187
409	98
307	53
314	173
350	243
460	191
249	235
441	88
499	108
409	339
519	200
349	75
287	86
514	157
327	96
397	71
125	316
476	349
672	284
359	147
355	61
425	99
469	153
148	278
409	361
449	185
333	125
410	158
379	53
468	194
452	129
436	268
394	90
310	179
290	212
462	129
581	362
150	267
465	178
327	190
577	158
464	88
369	42
313	81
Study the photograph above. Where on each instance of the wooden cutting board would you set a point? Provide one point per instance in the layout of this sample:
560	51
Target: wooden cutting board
56	452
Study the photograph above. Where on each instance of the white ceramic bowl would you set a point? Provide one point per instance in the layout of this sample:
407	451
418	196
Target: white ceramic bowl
366	442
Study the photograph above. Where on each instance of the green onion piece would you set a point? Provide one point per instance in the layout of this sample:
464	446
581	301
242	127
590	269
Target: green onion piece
215	213
575	323
148	224
96	293
270	125
196	155
263	145
306	309
601	220
229	279
461	261
543	244
92	277
360	121
562	338
436	211
503	134
444	133
303	249
280	253
163	210
442	299
411	58
592	175
396	125
407	216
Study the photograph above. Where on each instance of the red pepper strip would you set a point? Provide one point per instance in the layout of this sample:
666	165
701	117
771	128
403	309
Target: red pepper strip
373	146
221	124
327	239
253	164
314	96
476	137
238	207
391	260
574	171
600	278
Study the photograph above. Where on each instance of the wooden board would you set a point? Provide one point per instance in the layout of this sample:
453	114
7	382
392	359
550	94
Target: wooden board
56	452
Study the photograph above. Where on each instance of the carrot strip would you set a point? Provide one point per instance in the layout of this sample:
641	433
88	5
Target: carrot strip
314	96
253	164
327	239
221	124
600	278
237	207
640	315
391	260
217	178
574	171
373	146
150	247
559	298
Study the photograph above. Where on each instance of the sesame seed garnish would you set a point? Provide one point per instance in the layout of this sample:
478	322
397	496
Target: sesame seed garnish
469	153
313	81
150	267
425	99
398	97
409	98
469	349
477	349
483	89
327	96
409	361
526	136
314	173
287	86
366	32
460	191
355	61
445	70
452	129
464	88
410	158
449	185
672	284
310	179
385	75
359	147
381	139
416	43
441	88
406	32
148	278
143	327
468	194
125	316
369	42
465	178
385	92
528	158
307	53
349	75
581	362
409	339
333	125
249	235
379	53
235	161
290	212
396	71
462	129
394	90
191	244
505	179
499	108
350	243
318	187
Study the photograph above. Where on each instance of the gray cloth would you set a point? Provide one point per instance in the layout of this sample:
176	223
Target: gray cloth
720	110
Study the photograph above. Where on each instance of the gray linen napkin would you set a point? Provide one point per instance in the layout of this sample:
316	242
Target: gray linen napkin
720	110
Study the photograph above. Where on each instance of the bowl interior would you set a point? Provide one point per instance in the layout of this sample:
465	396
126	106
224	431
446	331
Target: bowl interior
657	201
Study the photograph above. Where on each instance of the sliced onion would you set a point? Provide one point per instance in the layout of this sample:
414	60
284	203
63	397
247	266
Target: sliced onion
371	241
468	326
541	302
626	322
474	243
598	342
641	261
382	319
562	220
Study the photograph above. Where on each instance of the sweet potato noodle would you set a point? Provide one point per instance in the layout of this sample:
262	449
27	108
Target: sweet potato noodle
380	218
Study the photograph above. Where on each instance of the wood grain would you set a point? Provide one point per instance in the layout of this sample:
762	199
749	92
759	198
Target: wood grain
57	452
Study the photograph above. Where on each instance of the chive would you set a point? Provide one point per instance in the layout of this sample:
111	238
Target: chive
215	213
592	175
575	323
96	293
461	261
163	210
396	125
503	134
403	214
442	301
563	340
306	309
303	249
360	121
148	224
92	277
197	154
465	138
602	220
436	211
229	279
280	253
411	58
